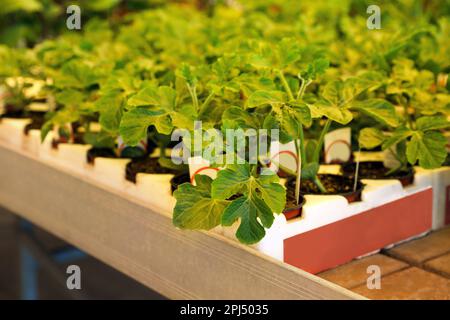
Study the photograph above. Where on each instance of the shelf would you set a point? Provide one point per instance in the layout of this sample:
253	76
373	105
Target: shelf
141	242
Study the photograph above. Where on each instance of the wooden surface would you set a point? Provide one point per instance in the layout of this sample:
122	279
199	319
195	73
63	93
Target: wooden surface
140	242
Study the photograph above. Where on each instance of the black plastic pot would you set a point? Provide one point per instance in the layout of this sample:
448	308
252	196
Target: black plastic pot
99	152
291	213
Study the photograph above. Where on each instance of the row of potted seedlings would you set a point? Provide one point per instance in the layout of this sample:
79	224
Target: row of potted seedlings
112	117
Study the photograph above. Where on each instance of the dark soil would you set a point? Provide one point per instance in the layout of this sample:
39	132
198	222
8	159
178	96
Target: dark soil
99	152
334	184
178	180
376	170
145	165
292	210
13	112
291	201
37	121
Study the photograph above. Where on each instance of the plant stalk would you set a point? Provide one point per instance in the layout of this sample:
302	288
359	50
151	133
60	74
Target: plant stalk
298	174
321	140
302	89
286	85
357	169
319	184
193	93
206	102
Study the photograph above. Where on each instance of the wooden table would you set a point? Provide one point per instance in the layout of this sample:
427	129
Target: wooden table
141	242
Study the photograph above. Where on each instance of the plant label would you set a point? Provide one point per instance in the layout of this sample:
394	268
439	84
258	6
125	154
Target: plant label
337	146
283	156
199	165
38	107
389	159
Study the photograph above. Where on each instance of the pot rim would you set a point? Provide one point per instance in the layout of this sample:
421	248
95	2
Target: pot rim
297	207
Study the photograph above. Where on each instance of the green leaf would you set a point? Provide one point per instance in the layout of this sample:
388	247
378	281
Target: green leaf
325	108
261	98
134	124
168	163
76	74
195	209
379	109
288	52
316	68
163	97
11	6
148	96
428	148
276	57
231	181
110	108
45	130
310	170
238	179
248	209
287	118
432	123
400	134
370	138
184	117
238	118
100	139
69	97
310	149
332	92
186	73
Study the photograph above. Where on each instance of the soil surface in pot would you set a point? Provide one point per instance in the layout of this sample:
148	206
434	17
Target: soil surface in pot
178	180
376	170
291	202
146	165
292	209
99	152
333	183
13	112
37	121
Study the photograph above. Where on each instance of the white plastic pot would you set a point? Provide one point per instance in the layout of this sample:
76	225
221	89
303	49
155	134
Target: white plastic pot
12	131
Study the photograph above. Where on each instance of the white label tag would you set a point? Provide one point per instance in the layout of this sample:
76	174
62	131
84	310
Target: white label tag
389	160
38	107
198	165
283	156
337	146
